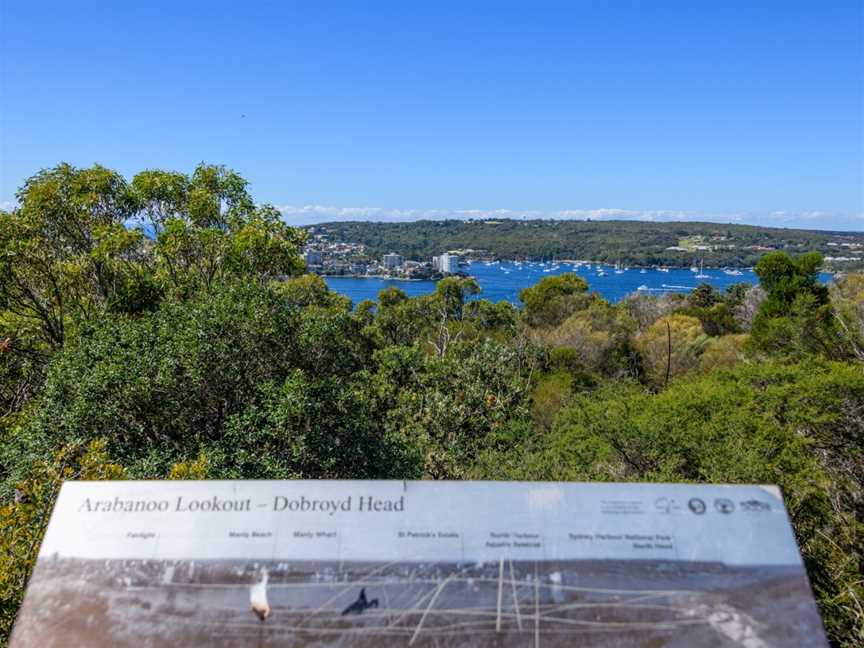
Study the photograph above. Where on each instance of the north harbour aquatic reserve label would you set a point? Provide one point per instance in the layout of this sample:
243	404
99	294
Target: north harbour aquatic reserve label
395	563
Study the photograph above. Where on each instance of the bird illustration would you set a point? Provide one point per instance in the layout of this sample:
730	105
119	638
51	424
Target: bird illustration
258	598
358	606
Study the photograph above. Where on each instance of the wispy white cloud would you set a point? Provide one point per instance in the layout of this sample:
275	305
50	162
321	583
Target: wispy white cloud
611	213
308	214
806	219
814	219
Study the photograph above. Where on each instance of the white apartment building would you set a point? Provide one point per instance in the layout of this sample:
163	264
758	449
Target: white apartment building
446	263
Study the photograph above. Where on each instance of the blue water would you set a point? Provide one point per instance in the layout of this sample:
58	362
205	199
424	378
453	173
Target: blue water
504	280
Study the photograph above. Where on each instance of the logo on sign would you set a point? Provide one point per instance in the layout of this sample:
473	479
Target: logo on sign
696	505
666	505
724	505
755	506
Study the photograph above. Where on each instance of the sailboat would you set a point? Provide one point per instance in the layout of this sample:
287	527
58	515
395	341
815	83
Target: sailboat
618	268
702	274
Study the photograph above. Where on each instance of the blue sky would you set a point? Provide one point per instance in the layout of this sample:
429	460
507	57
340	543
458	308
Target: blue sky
732	111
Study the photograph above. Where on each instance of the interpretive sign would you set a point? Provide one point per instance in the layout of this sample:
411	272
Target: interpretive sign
384	563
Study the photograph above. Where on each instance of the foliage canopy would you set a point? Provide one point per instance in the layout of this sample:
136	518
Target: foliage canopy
162	328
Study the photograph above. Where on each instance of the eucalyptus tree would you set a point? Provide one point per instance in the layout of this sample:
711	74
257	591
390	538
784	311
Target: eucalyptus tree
208	229
796	317
554	299
71	249
65	251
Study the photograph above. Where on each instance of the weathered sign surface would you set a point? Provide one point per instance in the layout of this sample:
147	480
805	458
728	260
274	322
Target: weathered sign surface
384	563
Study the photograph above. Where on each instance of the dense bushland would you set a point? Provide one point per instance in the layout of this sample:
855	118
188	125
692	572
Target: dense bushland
204	352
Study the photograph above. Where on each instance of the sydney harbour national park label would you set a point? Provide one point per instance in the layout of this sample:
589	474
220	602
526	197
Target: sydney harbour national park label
383	563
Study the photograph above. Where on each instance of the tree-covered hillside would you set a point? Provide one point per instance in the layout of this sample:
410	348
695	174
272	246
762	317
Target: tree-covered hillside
631	242
208	353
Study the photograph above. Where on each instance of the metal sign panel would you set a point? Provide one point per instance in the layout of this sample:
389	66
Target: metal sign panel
391	563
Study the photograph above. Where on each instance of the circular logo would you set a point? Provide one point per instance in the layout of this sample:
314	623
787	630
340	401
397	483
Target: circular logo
696	505
724	505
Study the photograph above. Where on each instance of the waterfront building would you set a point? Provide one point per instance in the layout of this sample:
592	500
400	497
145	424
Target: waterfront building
446	263
392	261
313	258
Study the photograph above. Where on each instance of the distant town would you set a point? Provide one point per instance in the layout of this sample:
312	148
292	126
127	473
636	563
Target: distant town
432	250
339	258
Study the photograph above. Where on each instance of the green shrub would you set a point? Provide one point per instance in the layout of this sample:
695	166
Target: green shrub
24	518
799	426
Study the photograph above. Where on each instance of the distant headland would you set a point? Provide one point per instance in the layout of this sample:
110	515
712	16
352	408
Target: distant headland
633	243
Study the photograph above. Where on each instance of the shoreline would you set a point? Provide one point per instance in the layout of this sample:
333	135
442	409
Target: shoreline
602	265
383	277
607	267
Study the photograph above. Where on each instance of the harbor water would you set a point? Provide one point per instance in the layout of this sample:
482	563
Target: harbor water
503	280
